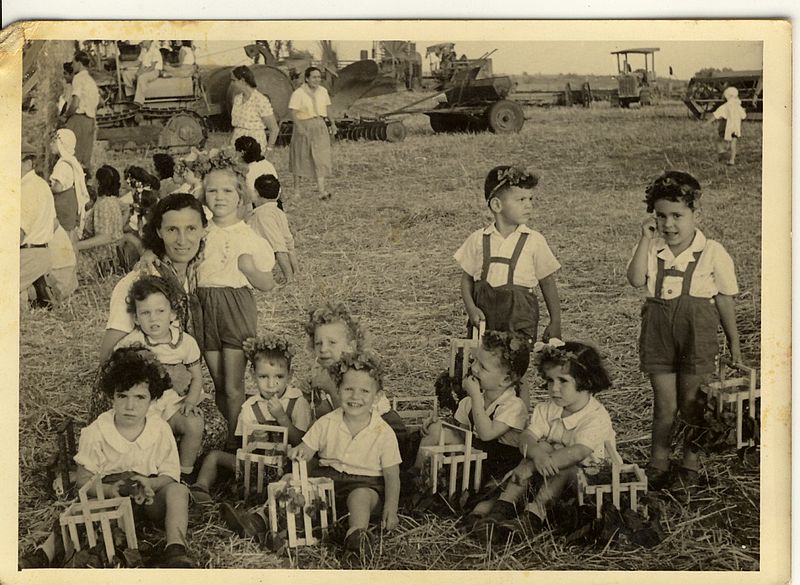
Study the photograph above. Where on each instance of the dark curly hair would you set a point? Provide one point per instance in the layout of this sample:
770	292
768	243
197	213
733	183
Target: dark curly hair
511	348
673	186
164	165
129	366
270	347
362	361
583	362
332	313
138	174
146	286
504	176
249	148
108	181
174	202
244	73
268	186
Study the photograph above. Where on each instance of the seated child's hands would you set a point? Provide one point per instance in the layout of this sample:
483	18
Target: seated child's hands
389	519
300	453
473	388
476	316
139	489
543	463
276	408
649	228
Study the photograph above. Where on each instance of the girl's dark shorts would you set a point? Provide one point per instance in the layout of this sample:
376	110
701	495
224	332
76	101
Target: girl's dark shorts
229	317
345	483
679	336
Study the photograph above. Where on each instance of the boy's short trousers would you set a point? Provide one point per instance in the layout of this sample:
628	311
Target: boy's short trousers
500	458
679	336
345	483
229	317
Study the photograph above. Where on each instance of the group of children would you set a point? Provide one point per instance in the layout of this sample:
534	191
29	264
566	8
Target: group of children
342	421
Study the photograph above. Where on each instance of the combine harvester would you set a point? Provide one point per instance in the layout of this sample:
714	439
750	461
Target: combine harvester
704	94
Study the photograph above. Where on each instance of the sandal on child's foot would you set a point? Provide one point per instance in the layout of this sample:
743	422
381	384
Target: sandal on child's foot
244	524
731	163
359	541
199	494
658	479
175	557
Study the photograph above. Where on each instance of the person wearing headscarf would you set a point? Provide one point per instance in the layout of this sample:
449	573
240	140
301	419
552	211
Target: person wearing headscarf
68	184
729	118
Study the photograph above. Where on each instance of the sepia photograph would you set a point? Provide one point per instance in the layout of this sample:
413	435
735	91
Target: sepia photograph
498	296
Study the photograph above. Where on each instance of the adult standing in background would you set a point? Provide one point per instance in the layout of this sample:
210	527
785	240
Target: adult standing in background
251	111
310	150
37	224
82	110
68	184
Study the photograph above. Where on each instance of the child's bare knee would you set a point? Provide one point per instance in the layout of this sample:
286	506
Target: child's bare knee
176	492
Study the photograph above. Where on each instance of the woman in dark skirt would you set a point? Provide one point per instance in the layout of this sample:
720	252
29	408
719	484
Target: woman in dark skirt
310	150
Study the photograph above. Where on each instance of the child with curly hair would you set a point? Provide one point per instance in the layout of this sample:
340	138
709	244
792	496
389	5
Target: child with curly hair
277	403
152	304
131	444
568	430
690	283
503	263
492	409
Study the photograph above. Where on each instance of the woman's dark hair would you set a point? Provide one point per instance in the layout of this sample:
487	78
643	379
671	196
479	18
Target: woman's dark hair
129	366
673	186
108	181
309	70
146	286
82	57
137	174
583	363
504	176
173	202
250	149
244	73
164	165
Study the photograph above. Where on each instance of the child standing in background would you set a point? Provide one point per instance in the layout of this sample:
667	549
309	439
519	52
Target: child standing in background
271	223
690	282
729	118
504	262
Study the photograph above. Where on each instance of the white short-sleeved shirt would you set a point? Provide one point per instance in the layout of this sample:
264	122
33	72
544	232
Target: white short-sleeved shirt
301	414
250	114
271	223
152	57
368	453
180	349
84	87
508	408
715	273
118	316
63	173
535	263
220	265
309	104
254	171
37	210
590	427
186	56
102	449
733	113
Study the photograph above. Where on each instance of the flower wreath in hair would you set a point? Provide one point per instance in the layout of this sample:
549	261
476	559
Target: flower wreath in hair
253	346
667	181
201	163
363	361
552	352
514	177
134	354
331	313
509	344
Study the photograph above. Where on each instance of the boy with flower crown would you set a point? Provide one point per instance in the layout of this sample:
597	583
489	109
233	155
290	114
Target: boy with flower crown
504	262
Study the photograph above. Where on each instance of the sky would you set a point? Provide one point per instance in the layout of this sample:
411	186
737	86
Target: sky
547	57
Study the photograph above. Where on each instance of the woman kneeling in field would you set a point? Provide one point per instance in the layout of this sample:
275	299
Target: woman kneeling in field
131	449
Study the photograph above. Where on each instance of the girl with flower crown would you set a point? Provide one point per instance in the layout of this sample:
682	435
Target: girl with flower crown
235	261
568	430
276	403
504	262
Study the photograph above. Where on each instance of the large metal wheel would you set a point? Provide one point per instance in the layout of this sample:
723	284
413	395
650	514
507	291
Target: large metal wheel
395	131
183	130
505	117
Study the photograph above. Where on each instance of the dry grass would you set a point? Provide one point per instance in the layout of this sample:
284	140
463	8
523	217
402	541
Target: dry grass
384	245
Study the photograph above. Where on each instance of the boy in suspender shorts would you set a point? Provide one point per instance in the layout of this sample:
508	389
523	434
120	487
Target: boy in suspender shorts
690	284
503	263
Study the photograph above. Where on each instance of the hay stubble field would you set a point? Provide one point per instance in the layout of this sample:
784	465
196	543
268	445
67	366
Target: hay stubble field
384	246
